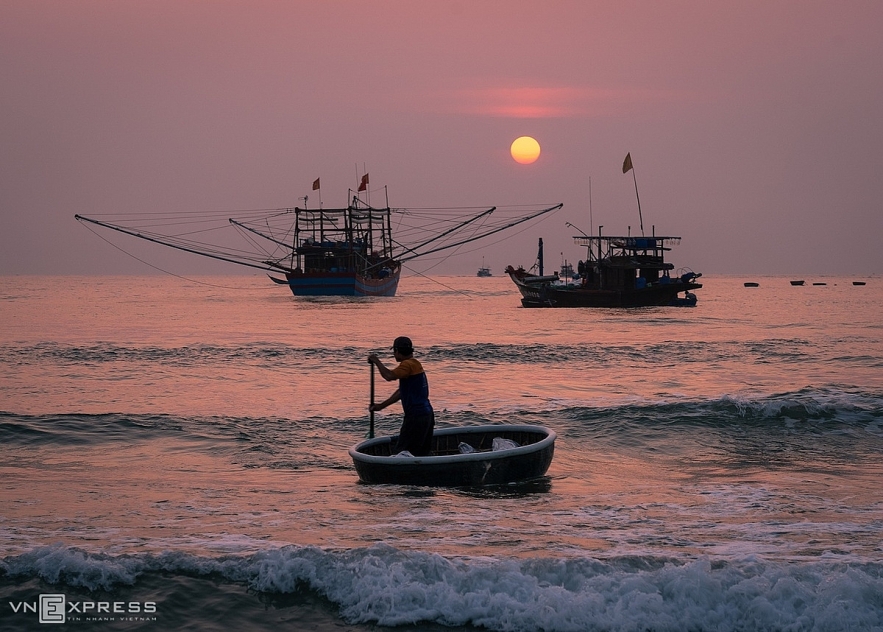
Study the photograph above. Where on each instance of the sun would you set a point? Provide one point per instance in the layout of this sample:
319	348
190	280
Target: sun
525	150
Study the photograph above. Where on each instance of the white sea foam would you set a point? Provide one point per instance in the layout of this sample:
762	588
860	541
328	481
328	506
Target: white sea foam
387	586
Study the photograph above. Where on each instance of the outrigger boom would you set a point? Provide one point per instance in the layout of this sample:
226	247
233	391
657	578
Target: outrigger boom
331	252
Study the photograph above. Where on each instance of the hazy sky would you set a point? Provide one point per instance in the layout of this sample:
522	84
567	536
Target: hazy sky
755	128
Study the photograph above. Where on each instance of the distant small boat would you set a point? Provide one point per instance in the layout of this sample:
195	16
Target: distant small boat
751	284
820	284
797	282
858	282
483	271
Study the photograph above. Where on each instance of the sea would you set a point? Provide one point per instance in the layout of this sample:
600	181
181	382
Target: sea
175	457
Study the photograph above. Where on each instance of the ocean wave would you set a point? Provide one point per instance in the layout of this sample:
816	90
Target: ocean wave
835	403
187	355
386	586
75	429
247	441
661	353
826	410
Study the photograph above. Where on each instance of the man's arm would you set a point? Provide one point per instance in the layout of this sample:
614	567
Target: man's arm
385	373
392	399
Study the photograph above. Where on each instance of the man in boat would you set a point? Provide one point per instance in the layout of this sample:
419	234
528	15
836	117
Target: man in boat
415	435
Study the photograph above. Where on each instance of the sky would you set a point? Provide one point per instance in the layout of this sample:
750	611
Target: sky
755	127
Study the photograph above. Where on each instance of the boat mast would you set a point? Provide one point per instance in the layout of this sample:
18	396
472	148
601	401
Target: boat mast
387	237
626	167
370	230
600	272
540	256
294	239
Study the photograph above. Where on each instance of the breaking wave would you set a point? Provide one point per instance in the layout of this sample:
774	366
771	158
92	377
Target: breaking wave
385	586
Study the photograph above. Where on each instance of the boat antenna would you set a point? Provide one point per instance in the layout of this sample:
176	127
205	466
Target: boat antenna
626	167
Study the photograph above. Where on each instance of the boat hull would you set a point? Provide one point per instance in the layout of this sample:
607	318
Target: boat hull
549	295
447	467
342	284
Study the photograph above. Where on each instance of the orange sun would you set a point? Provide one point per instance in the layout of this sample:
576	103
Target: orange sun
525	150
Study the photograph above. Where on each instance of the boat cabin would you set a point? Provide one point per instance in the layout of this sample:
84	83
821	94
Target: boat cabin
348	240
624	263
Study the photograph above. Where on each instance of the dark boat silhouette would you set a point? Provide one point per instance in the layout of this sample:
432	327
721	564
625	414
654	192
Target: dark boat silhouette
448	466
618	272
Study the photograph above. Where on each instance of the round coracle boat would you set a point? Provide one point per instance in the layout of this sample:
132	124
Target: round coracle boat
467	456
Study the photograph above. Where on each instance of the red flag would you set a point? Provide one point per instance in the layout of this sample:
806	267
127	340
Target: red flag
316	184
627	163
364	185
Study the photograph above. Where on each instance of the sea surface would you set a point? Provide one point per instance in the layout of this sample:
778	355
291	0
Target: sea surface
174	457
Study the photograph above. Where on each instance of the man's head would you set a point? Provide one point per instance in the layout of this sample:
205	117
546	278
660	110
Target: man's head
402	346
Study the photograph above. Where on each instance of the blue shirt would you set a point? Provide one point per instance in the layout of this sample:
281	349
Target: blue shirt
413	387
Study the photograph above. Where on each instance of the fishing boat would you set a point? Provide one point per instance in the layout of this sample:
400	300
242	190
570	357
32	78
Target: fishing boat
483	271
341	252
461	457
751	284
348	251
797	282
618	272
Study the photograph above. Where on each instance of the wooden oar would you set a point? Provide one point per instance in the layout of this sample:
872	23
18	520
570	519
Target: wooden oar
371	409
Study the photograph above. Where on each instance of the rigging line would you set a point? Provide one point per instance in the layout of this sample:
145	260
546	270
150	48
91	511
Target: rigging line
171	245
502	239
150	265
440	261
486	234
448	232
428	278
259	247
446	257
256	232
202	212
532	223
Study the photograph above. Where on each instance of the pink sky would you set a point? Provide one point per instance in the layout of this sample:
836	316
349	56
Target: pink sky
756	128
